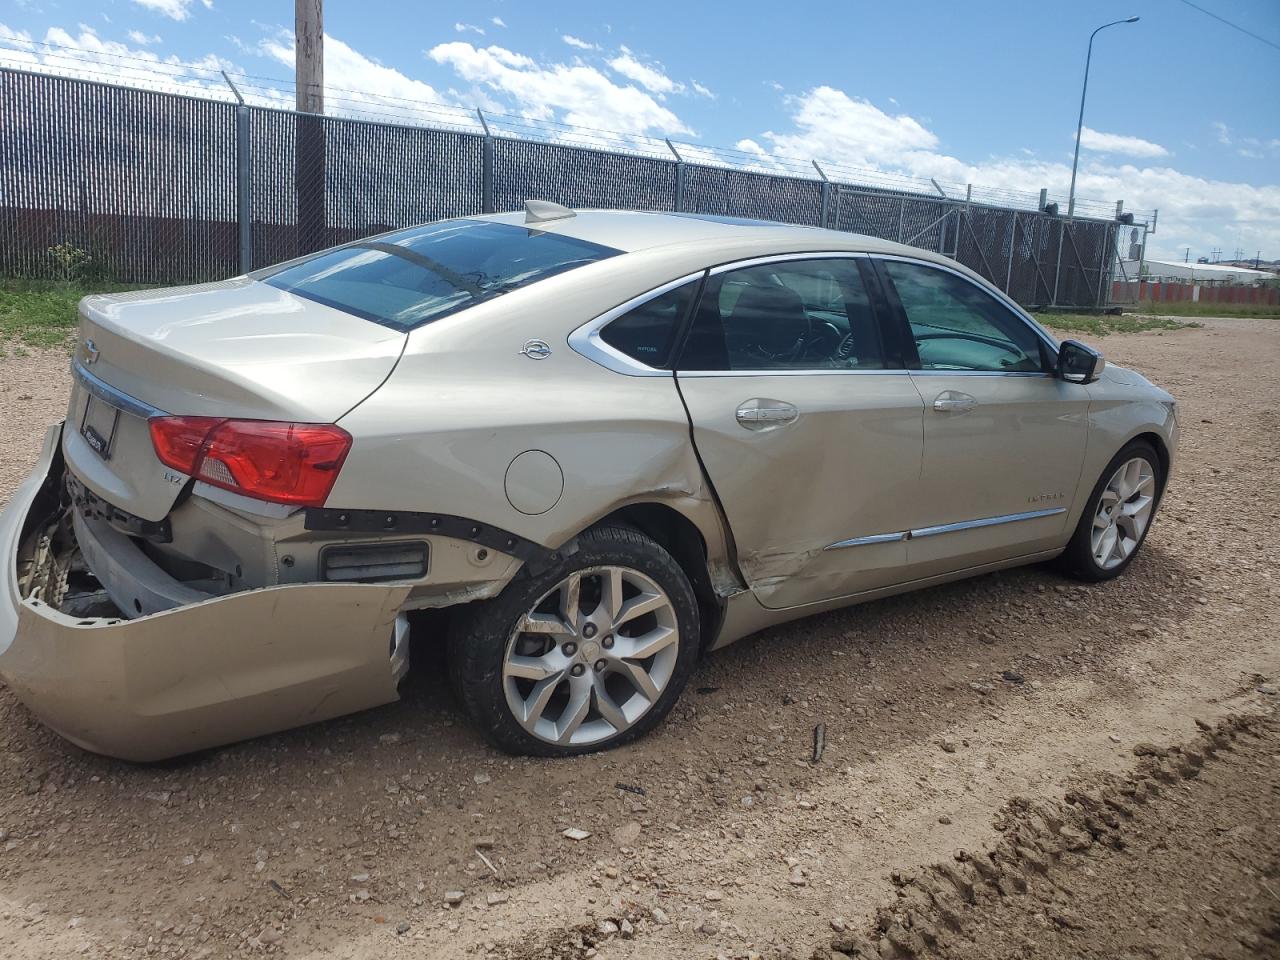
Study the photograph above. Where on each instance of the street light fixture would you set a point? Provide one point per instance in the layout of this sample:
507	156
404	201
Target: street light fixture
1071	197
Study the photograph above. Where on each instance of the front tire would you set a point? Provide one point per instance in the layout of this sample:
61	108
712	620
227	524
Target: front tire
1117	517
587	655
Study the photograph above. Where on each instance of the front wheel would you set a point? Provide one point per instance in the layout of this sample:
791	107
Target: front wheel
587	655
1116	519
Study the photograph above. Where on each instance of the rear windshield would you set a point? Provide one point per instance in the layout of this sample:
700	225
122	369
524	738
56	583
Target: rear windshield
412	277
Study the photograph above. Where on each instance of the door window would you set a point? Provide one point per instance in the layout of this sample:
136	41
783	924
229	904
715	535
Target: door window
797	315
956	326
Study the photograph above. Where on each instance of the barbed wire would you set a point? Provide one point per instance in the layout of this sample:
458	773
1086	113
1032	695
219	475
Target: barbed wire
276	92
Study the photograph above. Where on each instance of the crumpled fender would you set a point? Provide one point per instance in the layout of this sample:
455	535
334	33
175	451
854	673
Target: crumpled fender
196	676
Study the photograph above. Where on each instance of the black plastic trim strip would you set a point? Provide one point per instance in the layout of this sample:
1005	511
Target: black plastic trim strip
533	554
92	505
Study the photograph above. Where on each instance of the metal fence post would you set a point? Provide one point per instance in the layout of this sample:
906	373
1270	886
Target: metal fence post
1013	236
826	193
1109	245
678	202
1057	270
244	179
244	186
486	166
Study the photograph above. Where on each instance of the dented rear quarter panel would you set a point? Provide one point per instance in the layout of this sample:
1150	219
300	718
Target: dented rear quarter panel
463	402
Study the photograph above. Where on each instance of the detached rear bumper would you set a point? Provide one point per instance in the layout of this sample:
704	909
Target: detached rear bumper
200	675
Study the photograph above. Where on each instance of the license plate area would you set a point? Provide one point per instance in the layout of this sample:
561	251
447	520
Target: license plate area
99	426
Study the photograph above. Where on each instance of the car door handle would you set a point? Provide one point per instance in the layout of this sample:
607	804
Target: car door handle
953	401
760	413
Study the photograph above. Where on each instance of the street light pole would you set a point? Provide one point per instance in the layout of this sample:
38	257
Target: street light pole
1071	197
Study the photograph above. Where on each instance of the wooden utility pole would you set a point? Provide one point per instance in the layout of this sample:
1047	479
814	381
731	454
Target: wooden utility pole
308	31
309	175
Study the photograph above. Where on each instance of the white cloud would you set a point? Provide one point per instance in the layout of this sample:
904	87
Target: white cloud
351	79
831	126
580	44
89	56
140	38
650	77
497	21
173	9
1223	131
702	91
830	123
1119	143
576	94
468	28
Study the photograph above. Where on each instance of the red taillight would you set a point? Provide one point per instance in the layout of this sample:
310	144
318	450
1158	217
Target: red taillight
178	440
294	463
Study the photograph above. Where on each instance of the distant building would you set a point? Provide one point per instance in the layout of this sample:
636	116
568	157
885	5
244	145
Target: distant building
1180	272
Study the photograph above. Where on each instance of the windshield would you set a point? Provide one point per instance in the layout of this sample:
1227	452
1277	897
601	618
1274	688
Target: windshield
412	277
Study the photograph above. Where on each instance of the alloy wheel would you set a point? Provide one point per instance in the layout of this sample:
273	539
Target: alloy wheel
592	657
1124	511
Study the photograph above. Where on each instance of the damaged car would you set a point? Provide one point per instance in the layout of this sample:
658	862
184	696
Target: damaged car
606	442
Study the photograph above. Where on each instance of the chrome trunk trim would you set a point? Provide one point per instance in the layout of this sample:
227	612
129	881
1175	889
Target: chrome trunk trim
109	394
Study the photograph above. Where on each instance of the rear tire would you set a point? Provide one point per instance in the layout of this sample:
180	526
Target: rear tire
1118	516
587	655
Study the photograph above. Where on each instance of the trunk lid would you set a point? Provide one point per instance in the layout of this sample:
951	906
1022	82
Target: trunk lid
236	348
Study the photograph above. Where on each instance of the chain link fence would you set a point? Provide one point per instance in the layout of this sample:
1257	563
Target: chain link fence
138	186
115	182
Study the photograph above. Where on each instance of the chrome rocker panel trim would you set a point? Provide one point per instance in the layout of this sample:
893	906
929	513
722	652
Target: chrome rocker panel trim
944	528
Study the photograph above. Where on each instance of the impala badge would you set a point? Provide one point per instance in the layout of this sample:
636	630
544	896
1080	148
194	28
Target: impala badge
536	349
89	352
1046	497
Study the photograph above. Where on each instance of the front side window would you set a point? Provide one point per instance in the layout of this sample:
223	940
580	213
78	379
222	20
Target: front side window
647	333
956	326
415	276
797	315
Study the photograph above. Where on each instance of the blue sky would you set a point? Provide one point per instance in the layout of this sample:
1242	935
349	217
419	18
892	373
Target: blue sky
1183	112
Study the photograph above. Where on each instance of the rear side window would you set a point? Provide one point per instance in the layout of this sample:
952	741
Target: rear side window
406	279
648	332
791	315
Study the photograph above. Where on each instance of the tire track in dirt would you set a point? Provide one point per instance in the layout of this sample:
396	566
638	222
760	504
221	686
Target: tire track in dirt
1179	857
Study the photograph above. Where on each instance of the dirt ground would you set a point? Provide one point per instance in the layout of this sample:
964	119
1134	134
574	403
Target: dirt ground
948	714
1181	858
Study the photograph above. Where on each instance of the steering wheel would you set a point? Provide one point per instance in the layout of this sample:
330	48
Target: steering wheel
821	342
1012	351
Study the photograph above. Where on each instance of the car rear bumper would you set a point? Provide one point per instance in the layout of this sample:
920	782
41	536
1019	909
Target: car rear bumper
199	675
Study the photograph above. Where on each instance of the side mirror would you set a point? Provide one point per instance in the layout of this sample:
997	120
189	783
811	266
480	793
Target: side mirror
1078	363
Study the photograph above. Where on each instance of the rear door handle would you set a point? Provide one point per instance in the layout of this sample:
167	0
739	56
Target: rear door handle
953	401
761	413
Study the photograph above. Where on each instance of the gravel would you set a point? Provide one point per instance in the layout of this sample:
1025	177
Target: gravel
85	841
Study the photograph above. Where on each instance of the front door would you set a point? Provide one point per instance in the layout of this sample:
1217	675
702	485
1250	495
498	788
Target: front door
1004	438
808	427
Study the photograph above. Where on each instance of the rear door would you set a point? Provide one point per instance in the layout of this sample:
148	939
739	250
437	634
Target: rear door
807	424
1004	438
